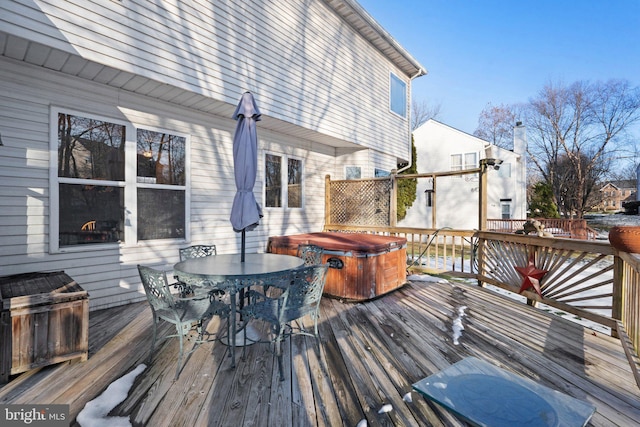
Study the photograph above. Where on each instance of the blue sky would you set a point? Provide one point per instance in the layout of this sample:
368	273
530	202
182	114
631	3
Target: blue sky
504	52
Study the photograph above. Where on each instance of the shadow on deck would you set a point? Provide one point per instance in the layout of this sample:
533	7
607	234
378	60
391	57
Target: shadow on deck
369	355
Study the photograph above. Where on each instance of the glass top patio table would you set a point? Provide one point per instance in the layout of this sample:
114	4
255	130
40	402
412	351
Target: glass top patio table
229	272
485	395
228	266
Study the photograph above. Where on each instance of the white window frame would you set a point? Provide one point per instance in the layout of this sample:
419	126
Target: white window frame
284	180
464	165
129	184
505	204
133	219
393	80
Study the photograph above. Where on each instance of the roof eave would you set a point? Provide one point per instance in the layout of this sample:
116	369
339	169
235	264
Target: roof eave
371	30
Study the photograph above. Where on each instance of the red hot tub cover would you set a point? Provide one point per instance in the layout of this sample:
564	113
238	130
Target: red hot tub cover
343	242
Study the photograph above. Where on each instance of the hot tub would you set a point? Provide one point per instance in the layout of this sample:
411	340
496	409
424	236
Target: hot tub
364	266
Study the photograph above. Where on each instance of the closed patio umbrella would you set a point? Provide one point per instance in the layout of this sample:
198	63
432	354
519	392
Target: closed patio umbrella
245	212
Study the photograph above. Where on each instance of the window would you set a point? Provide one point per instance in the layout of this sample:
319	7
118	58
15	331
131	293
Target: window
470	160
397	96
294	183
352	172
161	181
380	173
94	177
456	162
275	194
506	210
464	161
505	170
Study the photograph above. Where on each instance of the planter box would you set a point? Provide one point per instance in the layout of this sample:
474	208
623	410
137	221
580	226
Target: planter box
44	319
364	266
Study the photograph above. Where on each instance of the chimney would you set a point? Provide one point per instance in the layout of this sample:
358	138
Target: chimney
520	139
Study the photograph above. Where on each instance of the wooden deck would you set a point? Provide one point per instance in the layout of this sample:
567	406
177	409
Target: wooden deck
369	355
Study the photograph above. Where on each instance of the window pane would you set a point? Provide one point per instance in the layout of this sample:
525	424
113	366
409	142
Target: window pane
456	162
90	149
90	214
381	173
294	188
506	211
160	214
470	160
273	181
161	158
353	172
398	96
505	170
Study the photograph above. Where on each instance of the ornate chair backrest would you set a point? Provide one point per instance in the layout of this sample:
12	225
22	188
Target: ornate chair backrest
156	288
304	293
311	254
197	251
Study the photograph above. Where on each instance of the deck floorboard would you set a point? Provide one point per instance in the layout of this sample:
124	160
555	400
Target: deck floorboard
368	355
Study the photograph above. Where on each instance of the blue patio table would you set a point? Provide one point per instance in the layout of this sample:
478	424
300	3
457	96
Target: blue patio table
228	272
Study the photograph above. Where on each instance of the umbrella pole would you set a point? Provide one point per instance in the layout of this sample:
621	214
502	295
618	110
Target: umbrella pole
242	247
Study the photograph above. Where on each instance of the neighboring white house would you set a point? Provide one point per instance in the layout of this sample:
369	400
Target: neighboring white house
441	148
115	119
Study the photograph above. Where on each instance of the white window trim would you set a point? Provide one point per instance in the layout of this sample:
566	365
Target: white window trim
284	177
131	149
130	183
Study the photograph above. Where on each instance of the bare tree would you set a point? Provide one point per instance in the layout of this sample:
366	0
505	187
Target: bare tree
496	123
423	111
574	130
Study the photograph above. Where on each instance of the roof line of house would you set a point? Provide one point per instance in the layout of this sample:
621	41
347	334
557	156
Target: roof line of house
371	30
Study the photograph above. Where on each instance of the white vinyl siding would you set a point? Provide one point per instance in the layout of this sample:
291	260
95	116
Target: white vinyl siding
108	272
219	49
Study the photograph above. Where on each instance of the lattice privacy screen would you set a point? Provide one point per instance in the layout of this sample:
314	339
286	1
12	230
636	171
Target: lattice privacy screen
360	202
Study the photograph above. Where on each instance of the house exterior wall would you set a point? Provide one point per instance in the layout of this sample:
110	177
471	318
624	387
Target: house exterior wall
305	64
317	82
456	197
109	274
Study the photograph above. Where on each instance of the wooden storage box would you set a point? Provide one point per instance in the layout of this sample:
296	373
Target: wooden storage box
368	265
44	319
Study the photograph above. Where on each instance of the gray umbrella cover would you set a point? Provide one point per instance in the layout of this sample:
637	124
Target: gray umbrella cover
245	211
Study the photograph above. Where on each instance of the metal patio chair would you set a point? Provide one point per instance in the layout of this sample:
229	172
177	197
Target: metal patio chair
300	298
184	313
311	254
190	252
197	251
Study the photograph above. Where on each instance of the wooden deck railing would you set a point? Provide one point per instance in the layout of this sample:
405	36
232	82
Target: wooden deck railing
588	279
559	227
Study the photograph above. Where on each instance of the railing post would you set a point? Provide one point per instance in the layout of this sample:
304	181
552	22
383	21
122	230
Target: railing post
480	259
393	208
532	253
482	196
617	298
327	199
